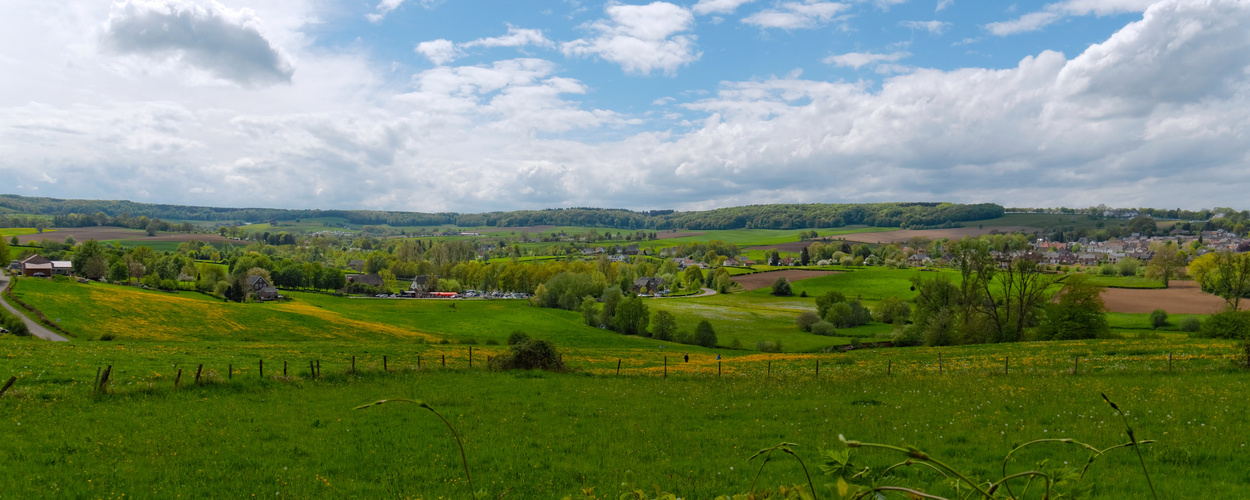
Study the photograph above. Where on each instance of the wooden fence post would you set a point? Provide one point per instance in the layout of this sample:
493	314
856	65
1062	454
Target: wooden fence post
770	368
7	385
1006	365
199	371
384	367
104	379
1076	363
177	378
1169	361
318	368
284	368
262	368
718	368
618	367
312	370
353	364
97	377
230	371
939	363
818	368
889	367
418	362
444	361
470	356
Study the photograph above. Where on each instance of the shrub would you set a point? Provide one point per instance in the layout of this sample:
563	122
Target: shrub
1158	318
664	325
803	293
107	337
491	342
824	328
517	337
893	310
467	341
704	335
1226	325
806	319
736	344
530	355
444	342
781	287
13	324
1191	324
768	346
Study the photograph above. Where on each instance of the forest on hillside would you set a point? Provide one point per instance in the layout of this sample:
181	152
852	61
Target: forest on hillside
777	216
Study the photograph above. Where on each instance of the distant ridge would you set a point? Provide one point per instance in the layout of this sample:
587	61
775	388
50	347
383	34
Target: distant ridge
775	216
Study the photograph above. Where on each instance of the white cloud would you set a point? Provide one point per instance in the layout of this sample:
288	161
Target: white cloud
641	38
516	37
1163	105
933	27
385	7
704	7
1035	21
943	4
441	51
796	15
227	44
858	59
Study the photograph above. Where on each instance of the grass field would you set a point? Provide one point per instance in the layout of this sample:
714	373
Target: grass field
1124	281
19	231
542	435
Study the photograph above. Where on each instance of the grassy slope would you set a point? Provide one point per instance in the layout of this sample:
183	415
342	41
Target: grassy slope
545	435
134	314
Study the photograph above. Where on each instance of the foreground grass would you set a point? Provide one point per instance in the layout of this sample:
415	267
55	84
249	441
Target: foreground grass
547	435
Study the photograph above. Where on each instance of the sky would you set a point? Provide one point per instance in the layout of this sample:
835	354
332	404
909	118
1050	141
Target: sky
475	106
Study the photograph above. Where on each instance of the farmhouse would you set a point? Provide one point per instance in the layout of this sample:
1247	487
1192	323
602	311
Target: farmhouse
261	288
647	285
62	267
36	265
366	279
423	284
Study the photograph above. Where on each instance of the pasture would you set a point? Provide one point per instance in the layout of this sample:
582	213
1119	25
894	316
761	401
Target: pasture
545	435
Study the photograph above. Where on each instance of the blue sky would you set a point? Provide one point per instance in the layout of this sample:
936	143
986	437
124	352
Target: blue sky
432	105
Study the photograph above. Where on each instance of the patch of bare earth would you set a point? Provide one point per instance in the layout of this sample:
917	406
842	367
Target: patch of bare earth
902	235
668	235
519	229
1180	297
99	233
766	279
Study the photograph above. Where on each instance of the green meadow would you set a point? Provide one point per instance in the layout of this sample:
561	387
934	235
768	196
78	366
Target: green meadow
545	435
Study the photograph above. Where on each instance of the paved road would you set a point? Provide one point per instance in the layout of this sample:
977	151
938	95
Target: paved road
35	328
706	293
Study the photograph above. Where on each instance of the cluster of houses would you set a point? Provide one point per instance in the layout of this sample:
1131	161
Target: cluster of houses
1086	252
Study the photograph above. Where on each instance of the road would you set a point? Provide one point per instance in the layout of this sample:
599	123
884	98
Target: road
705	293
35	328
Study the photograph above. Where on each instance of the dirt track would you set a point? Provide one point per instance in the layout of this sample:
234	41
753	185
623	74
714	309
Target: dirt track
766	279
1180	297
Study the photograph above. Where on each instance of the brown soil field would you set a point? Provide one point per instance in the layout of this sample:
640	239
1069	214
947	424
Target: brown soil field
766	279
525	229
100	233
1180	297
668	235
903	235
897	236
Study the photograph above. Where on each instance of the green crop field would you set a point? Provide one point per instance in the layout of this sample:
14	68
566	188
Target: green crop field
19	231
543	435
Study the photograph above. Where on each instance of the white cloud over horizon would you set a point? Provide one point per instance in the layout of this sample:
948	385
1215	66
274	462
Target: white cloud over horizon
640	38
1053	12
1160	106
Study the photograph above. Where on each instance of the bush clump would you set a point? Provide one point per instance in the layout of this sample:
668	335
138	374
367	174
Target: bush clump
781	287
824	328
1191	324
1158	318
768	346
806	319
518	337
533	354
